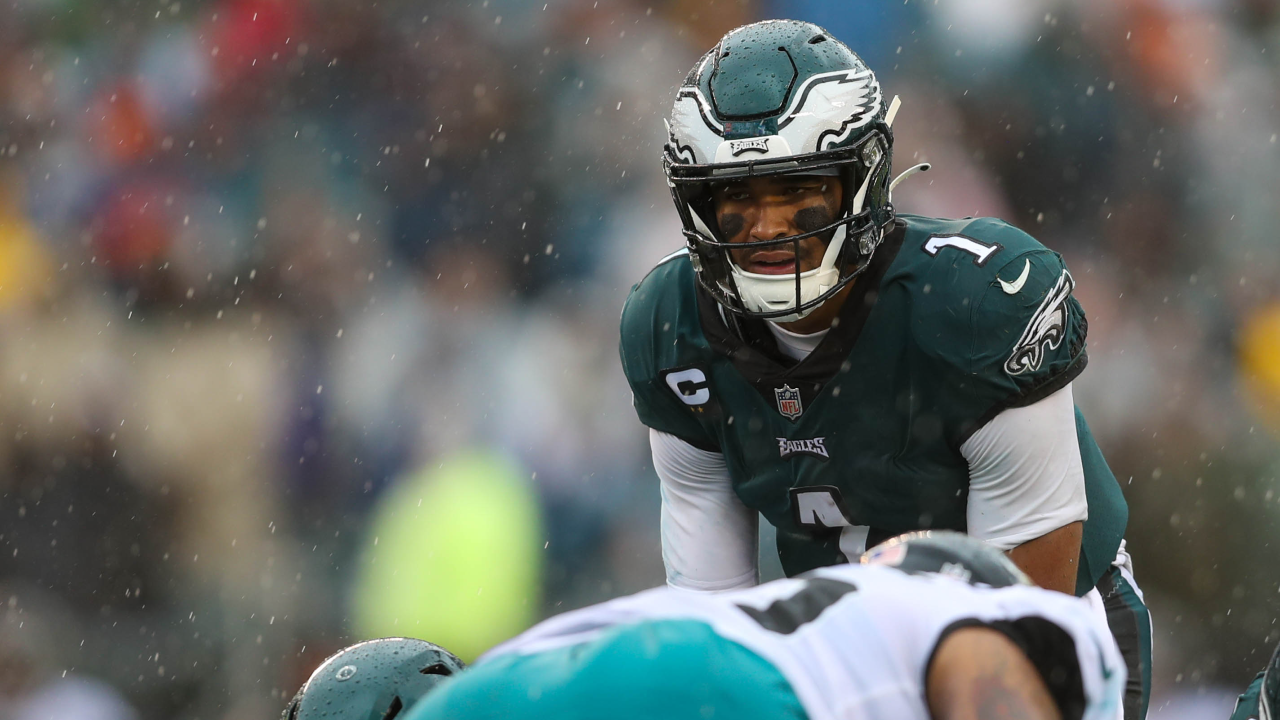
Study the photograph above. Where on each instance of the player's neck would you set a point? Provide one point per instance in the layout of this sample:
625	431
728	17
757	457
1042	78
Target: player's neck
821	318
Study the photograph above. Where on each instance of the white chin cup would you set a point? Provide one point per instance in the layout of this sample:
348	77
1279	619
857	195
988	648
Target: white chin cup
772	293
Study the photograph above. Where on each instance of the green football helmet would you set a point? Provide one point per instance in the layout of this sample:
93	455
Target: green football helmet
946	552
780	97
374	680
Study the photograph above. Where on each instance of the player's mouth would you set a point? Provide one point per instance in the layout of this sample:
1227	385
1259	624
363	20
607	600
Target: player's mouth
771	262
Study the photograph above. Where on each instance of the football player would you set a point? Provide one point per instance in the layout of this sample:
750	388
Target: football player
848	371
933	626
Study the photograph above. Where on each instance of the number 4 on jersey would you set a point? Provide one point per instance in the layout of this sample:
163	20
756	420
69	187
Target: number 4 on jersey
820	506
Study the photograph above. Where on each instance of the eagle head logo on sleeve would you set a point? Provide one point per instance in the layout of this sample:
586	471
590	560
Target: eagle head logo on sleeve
1045	331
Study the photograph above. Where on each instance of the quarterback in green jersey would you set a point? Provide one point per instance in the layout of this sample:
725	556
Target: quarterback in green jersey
848	371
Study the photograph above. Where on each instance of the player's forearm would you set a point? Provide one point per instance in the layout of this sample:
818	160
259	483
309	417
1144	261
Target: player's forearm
979	674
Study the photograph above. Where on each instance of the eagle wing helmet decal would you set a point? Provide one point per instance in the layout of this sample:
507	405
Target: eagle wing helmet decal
850	97
845	99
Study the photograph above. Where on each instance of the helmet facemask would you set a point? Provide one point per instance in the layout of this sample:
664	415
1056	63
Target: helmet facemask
781	97
851	237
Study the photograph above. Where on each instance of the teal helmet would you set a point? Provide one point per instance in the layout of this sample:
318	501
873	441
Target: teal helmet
779	97
946	552
374	680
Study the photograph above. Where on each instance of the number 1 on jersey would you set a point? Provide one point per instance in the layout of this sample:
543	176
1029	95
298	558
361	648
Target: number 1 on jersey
981	251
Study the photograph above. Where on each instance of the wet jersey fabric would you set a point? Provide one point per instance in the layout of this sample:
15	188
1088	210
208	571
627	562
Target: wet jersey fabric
849	641
954	321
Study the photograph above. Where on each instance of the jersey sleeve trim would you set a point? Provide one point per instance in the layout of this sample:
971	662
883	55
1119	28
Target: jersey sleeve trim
1029	396
1049	648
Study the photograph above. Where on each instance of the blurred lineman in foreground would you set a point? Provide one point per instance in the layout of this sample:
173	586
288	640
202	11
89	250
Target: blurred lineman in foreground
933	625
851	372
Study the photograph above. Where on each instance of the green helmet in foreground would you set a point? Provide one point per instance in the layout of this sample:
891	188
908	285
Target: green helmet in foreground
374	680
946	552
780	97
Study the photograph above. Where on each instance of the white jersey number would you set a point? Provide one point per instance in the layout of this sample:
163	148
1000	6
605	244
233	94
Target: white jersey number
820	507
981	251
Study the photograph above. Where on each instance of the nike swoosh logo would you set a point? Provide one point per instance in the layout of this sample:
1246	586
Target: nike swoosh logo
1012	288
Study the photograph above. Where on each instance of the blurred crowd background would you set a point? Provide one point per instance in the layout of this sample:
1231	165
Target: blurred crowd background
308	312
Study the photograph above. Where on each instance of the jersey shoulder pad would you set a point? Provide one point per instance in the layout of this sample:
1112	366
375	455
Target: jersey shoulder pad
1000	302
1026	321
964	254
665	355
660	310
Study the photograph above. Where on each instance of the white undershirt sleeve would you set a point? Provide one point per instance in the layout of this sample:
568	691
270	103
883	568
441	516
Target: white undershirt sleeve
710	539
1026	478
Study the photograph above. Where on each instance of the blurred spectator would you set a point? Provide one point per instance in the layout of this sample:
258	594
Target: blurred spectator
453	554
35	629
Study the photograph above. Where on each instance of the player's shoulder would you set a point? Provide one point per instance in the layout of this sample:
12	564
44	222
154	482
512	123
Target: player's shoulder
660	309
968	256
667	286
980	280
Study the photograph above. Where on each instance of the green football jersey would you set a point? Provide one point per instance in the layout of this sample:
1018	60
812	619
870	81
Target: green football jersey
953	322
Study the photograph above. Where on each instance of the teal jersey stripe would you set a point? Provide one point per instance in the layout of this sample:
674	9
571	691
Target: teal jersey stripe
657	670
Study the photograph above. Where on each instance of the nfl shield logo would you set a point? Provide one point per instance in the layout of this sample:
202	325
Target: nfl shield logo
788	401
